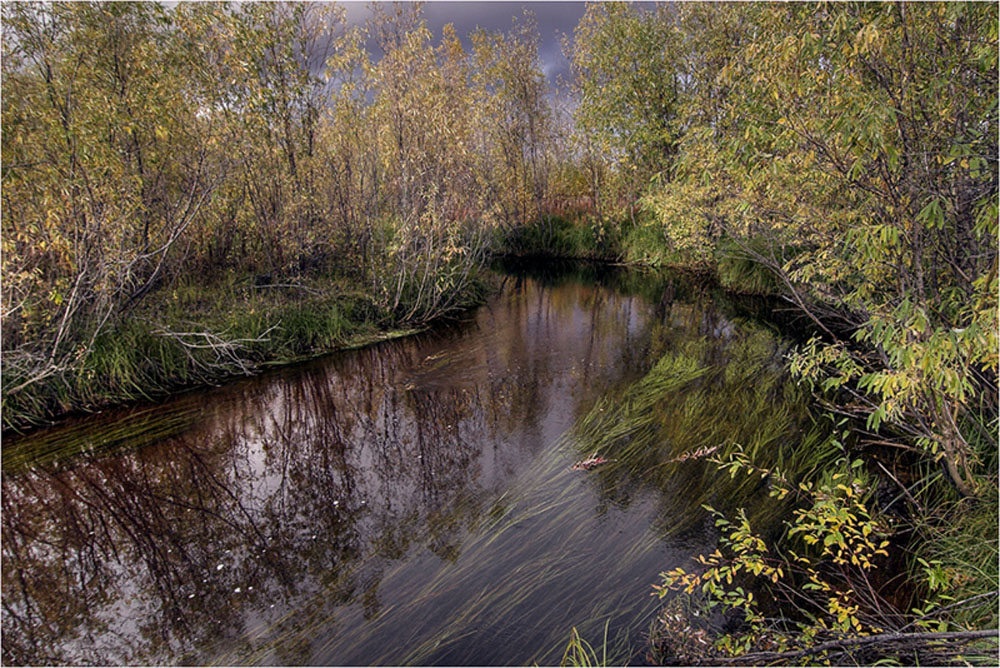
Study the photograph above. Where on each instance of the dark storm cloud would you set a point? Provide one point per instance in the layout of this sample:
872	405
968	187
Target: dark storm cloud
554	19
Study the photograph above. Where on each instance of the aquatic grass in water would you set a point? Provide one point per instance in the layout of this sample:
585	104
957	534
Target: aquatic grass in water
579	652
689	404
143	427
411	503
503	600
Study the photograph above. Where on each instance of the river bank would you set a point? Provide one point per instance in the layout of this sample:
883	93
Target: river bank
197	334
641	243
941	543
703	370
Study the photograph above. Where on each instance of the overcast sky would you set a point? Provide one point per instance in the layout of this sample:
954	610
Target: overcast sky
553	19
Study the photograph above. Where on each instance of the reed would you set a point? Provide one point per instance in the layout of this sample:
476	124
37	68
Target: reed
564	237
646	243
955	551
579	652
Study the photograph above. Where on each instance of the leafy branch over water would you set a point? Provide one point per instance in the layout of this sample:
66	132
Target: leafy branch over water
832	609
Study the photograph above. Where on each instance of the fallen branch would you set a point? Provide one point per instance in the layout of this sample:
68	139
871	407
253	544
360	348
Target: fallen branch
913	640
227	352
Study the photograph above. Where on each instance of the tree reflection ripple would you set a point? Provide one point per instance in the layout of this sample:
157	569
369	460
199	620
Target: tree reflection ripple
405	503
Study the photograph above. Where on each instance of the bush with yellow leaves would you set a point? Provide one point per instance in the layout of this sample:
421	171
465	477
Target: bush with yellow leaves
813	597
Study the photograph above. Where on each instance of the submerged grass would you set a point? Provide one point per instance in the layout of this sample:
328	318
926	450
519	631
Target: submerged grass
144	427
689	408
579	652
702	401
553	548
707	400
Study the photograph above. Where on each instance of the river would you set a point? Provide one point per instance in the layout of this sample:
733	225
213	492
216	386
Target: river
412	502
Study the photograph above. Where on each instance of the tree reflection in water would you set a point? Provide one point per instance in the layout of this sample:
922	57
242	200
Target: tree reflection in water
260	522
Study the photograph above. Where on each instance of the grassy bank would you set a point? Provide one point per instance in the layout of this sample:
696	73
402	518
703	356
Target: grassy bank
642	242
955	550
196	333
572	237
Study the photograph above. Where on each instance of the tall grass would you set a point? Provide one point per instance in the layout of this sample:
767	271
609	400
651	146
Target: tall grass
200	333
956	546
642	242
639	242
739	271
646	243
562	237
579	652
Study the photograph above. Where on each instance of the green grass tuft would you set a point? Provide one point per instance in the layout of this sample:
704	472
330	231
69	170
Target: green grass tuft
740	272
139	359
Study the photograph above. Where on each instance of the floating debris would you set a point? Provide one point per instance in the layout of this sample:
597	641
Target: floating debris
591	463
697	454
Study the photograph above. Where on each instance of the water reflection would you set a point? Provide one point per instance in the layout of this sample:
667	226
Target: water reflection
404	503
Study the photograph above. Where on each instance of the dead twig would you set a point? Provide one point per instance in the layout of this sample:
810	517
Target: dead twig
228	352
911	641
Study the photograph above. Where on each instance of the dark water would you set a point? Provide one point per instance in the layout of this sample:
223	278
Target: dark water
408	503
